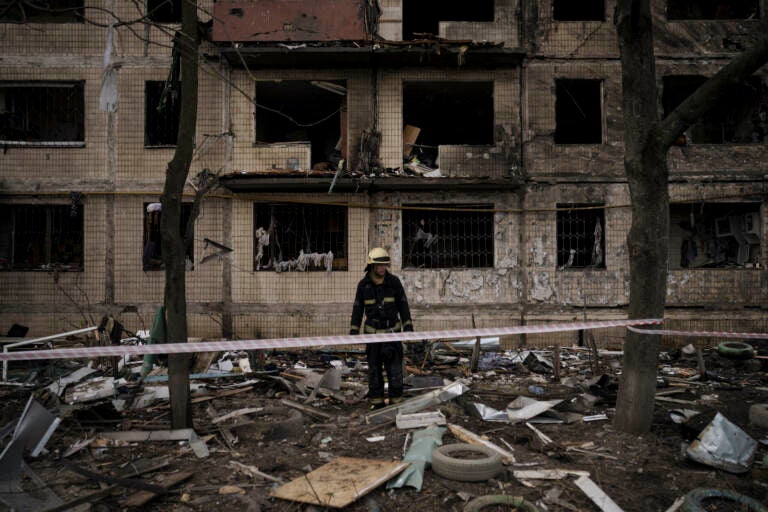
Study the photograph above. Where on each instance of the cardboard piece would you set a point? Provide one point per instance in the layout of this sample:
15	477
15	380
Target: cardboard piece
339	483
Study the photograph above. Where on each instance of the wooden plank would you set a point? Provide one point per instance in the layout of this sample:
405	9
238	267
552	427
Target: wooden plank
143	497
472	438
339	483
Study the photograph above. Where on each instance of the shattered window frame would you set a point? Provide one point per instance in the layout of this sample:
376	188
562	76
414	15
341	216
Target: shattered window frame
283	231
424	16
583	10
56	11
575	122
448	236
162	109
300	112
726	123
152	253
42	237
42	113
715	235
164	11
577	231
710	10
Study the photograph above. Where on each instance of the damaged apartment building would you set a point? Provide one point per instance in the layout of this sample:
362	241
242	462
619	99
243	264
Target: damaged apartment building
480	143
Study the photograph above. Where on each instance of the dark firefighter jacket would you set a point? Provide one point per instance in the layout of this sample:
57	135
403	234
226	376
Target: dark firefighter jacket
381	304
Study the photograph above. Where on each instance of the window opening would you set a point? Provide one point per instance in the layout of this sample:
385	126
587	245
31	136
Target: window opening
42	112
424	16
446	113
578	111
448	236
583	10
714	235
304	238
162	108
152	257
580	236
41	237
49	11
164	11
740	117
312	112
712	9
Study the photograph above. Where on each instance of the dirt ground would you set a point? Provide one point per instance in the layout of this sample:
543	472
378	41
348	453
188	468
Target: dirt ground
640	473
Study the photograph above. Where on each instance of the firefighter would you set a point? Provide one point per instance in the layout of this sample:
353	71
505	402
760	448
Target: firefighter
381	299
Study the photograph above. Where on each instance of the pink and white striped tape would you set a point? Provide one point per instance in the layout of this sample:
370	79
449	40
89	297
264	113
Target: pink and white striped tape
316	341
705	334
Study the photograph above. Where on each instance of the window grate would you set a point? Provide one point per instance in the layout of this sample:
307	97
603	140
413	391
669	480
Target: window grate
580	240
450	237
299	237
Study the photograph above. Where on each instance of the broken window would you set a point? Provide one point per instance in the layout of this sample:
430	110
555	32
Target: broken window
164	11
580	236
583	10
42	112
441	236
312	112
712	9
152	257
162	107
448	113
740	117
34	237
41	11
423	16
714	235
299	237
578	111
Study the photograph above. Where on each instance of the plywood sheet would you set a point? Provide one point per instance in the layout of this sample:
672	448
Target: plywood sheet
339	483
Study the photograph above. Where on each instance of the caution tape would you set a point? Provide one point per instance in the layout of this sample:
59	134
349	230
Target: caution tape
316	341
705	334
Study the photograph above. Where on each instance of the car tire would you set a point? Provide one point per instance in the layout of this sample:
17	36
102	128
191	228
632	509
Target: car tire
735	349
758	415
477	504
487	466
694	500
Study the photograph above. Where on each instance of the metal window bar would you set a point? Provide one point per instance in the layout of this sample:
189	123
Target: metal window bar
576	237
448	239
300	237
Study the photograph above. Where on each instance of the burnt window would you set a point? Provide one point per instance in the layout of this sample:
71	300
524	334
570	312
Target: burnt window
447	113
41	237
740	117
578	111
162	107
164	11
41	11
714	235
442	236
152	256
42	113
580	236
583	10
312	112
712	9
423	16
299	237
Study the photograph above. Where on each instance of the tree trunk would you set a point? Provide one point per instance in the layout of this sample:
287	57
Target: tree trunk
647	140
173	246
